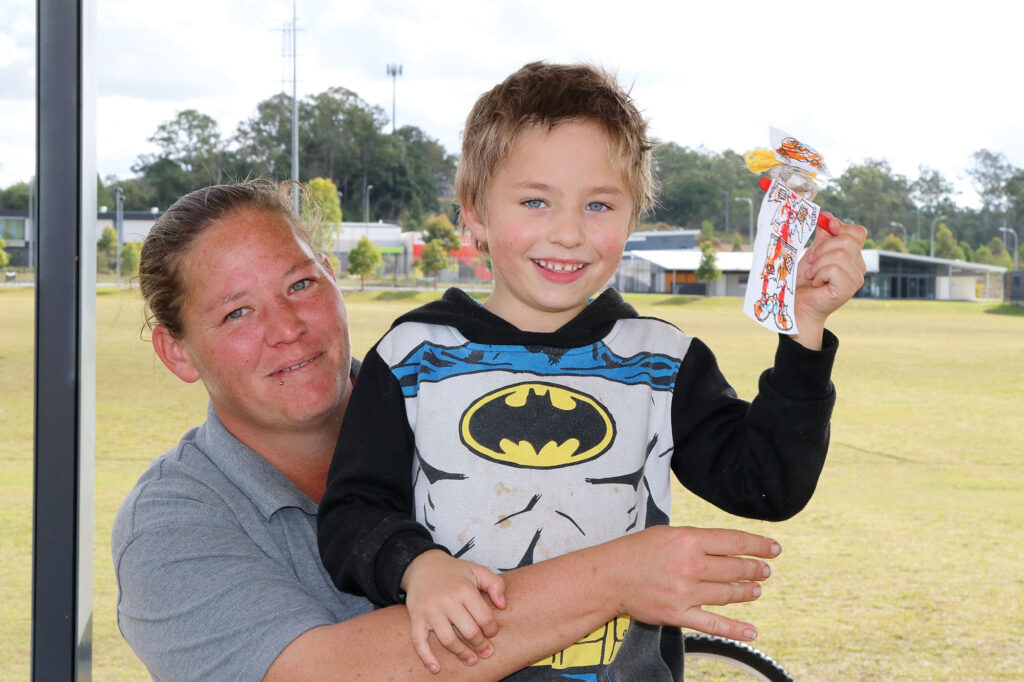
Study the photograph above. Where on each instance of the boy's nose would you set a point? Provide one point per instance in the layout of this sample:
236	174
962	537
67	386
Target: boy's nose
568	229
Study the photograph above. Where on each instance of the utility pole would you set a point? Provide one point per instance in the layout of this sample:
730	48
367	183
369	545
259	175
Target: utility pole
394	70
119	227
750	207
289	50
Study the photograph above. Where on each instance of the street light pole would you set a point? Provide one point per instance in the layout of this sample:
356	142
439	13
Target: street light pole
931	235
750	208
1016	246
900	225
394	70
366	208
119	226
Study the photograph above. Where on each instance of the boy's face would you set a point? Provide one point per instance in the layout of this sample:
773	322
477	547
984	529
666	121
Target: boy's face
558	212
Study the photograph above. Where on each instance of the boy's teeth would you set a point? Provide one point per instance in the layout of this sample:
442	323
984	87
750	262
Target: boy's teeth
559	267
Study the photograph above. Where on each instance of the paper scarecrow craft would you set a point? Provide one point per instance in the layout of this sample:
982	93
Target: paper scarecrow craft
786	222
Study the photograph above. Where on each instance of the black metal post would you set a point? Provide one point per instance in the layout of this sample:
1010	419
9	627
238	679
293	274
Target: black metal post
65	373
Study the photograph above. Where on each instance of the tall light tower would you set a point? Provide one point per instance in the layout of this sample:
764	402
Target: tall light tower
289	50
394	70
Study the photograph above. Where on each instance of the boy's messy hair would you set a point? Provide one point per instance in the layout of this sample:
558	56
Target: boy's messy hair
541	94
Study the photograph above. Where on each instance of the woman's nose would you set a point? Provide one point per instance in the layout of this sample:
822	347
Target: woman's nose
284	324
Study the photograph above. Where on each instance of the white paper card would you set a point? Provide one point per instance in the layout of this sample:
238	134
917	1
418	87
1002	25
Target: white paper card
785	223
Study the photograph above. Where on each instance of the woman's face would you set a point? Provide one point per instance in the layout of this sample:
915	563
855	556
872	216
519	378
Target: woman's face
264	326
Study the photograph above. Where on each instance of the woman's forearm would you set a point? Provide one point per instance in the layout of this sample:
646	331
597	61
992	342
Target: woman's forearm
661	576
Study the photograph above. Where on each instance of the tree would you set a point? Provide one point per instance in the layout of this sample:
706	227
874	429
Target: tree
1000	254
707	230
983	254
439	228
363	259
16	196
130	254
708	268
990	174
968	251
930	190
191	156
945	244
893	243
327	225
5	258
433	259
737	242
869	194
106	250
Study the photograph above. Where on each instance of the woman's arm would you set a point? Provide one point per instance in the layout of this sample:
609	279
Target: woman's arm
661	575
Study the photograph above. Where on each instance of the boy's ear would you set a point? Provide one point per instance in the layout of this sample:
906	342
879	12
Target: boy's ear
474	225
175	356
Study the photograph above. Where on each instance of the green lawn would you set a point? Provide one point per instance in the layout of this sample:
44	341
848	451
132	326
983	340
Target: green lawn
906	565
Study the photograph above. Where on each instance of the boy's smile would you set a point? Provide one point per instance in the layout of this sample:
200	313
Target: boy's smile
557	218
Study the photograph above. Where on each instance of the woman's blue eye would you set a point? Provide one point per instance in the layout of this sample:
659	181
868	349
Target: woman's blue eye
300	285
534	203
235	314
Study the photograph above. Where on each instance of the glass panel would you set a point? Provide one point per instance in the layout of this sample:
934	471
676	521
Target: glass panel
17	332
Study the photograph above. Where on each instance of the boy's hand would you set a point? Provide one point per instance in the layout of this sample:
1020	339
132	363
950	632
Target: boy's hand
828	276
443	595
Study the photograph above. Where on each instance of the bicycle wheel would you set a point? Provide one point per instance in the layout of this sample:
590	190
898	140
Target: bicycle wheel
716	659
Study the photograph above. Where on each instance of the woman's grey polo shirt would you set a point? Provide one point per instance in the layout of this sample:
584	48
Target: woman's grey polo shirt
216	561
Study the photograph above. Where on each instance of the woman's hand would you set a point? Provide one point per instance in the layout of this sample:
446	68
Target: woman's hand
669	574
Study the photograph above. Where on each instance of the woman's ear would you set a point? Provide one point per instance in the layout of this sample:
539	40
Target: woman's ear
175	356
326	262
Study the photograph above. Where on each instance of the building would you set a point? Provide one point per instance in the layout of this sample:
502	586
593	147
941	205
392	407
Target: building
889	275
470	265
387	237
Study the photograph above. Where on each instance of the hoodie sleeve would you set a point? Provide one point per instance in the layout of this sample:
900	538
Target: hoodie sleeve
761	459
365	529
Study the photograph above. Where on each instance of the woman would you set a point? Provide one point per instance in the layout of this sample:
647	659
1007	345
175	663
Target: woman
215	548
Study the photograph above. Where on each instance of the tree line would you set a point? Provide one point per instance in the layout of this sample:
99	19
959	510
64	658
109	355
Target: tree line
406	177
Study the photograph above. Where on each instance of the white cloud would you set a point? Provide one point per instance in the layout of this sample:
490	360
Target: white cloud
914	83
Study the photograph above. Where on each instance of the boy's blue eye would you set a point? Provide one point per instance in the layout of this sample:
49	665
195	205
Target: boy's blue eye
534	203
597	206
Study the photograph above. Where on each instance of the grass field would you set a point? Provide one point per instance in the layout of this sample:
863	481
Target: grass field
907	565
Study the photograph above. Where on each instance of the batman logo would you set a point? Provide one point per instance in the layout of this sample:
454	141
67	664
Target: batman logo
538	426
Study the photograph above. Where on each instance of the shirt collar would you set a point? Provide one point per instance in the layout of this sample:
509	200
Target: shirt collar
259	480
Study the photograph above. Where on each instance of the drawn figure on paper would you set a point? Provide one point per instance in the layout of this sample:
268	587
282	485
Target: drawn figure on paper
794	150
788	227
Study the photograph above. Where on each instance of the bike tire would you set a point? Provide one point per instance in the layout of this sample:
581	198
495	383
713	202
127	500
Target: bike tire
743	657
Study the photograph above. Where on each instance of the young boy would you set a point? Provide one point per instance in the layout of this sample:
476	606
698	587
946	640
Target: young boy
543	421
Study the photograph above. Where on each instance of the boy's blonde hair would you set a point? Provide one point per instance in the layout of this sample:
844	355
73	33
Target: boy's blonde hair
545	95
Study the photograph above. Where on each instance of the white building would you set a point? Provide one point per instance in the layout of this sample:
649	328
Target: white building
889	275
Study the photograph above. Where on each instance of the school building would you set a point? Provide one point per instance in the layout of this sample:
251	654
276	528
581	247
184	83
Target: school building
889	275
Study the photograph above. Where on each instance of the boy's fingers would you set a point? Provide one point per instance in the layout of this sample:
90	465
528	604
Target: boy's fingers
483	617
494	586
467	628
419	643
451	639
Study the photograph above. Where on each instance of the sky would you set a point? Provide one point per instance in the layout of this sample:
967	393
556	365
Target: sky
912	83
